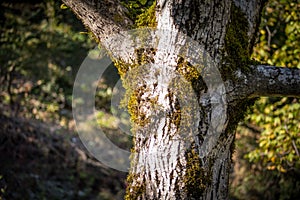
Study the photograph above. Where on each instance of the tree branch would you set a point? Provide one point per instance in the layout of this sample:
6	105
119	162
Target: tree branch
102	17
272	81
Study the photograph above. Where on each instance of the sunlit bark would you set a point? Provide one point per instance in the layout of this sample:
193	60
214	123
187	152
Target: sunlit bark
185	152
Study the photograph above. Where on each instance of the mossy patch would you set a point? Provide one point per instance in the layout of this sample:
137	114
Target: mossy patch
118	18
132	77
237	57
147	18
188	71
237	54
143	56
238	115
175	114
122	66
138	117
196	177
135	189
141	13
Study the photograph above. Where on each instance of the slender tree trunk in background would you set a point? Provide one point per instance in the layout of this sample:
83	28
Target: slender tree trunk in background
184	126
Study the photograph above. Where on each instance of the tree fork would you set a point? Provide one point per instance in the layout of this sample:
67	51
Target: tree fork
163	167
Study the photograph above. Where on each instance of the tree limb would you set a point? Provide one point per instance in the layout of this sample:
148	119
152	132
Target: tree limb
266	80
102	17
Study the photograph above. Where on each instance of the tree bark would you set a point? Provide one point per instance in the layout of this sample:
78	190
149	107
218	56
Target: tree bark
103	18
273	81
184	119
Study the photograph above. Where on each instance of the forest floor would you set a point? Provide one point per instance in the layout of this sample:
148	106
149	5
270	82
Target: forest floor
39	161
42	160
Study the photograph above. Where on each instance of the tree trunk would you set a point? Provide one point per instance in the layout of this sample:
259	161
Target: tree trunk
188	85
184	152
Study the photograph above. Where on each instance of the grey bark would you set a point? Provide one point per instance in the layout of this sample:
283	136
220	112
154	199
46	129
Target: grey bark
273	81
102	18
185	153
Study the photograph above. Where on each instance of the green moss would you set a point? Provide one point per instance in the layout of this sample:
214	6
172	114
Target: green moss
135	189
147	18
175	115
130	80
176	118
196	178
189	75
237	54
134	104
122	67
136	115
143	56
143	14
189	72
237	116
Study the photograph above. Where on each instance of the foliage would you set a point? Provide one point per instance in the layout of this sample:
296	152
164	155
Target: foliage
253	180
41	49
39	56
279	35
273	162
280	118
280	139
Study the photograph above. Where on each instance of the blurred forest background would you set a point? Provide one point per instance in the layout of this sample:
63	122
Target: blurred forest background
41	157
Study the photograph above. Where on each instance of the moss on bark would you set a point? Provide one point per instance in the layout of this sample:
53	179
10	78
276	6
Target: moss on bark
196	177
236	55
135	189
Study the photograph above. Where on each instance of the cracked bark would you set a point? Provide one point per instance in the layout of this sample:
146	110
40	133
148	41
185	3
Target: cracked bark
273	81
102	18
163	166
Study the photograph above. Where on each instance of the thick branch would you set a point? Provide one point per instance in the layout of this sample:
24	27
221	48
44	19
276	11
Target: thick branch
102	17
272	81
